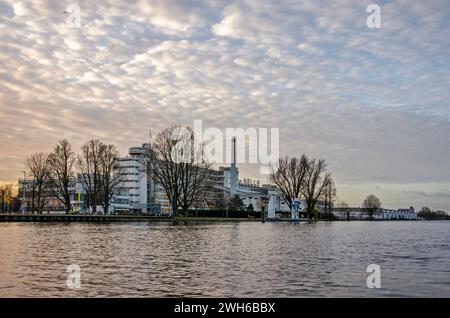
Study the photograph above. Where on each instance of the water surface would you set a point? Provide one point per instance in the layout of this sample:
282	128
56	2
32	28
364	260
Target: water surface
246	259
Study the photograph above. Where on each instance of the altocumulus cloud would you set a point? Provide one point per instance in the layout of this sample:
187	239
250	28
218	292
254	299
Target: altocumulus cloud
375	103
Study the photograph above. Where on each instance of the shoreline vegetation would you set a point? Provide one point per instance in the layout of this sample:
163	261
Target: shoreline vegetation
96	218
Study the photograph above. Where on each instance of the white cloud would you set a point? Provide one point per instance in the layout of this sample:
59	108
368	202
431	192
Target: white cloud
308	48
73	44
229	26
20	9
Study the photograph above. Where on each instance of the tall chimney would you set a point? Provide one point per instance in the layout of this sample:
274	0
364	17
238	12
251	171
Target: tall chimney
233	186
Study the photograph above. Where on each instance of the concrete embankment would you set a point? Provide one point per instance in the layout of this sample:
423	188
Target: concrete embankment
79	218
95	218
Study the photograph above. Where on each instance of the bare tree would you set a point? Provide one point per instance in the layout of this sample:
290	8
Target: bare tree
329	196
39	170
194	185
289	176
11	192
99	173
89	166
2	197
176	164
62	161
110	175
316	182
371	204
6	197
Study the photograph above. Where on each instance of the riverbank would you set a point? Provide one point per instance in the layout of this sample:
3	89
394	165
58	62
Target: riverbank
94	218
16	217
193	219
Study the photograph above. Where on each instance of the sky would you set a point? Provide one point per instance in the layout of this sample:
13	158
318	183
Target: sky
373	102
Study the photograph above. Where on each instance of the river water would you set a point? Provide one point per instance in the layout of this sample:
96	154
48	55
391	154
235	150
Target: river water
246	259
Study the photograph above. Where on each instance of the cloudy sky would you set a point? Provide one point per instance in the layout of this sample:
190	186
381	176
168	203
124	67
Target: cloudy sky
374	102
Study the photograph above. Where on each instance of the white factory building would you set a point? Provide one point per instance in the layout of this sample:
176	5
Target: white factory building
138	194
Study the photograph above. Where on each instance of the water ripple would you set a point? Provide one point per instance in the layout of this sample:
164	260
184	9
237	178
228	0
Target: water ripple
226	259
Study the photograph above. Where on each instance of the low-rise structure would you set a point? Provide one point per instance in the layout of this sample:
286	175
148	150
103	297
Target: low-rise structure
357	213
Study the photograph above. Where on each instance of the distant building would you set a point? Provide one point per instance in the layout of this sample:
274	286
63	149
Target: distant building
381	214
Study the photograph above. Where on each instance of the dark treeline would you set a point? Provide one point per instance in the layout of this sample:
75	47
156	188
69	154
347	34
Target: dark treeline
52	175
427	214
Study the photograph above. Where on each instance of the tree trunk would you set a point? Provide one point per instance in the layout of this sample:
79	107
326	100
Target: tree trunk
185	209
38	203
94	206
174	209
33	198
311	212
68	206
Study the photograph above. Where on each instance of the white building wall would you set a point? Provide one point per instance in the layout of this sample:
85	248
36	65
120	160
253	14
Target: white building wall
133	188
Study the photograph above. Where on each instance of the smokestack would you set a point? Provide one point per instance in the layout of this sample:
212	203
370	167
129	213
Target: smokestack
233	152
234	174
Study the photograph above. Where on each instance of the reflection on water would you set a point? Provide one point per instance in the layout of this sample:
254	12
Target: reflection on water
225	259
